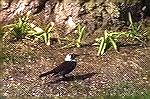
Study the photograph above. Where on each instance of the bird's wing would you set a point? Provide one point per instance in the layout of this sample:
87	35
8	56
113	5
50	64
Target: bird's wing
60	67
45	74
66	66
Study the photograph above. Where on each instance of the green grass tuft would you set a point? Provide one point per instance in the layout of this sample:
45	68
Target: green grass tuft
77	42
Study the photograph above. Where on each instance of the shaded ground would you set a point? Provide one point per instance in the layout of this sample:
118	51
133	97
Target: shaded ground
123	73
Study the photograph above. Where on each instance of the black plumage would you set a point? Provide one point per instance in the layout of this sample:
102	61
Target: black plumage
64	68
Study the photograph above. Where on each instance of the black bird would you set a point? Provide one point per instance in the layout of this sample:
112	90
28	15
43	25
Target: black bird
64	68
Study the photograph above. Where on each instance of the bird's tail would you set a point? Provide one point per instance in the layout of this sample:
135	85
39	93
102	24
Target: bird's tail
45	74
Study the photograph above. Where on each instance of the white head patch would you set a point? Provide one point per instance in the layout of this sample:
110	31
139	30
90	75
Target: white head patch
69	58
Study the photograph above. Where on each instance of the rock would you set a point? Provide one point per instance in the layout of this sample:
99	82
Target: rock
94	14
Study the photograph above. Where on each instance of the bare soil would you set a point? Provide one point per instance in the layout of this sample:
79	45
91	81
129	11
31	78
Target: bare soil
126	72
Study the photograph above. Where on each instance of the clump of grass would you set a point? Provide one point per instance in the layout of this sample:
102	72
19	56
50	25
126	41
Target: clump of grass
134	29
111	38
81	34
77	42
19	29
43	34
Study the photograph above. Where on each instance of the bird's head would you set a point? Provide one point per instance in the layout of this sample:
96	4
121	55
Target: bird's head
71	57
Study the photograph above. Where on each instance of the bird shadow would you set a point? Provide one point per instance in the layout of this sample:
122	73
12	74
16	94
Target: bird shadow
73	78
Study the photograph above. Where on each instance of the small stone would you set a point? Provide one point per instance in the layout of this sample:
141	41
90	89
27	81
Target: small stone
102	82
144	78
147	82
5	94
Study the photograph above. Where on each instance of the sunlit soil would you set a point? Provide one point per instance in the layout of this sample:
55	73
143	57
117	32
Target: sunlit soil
124	73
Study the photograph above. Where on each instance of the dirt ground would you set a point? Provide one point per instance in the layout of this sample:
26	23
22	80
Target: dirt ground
122	73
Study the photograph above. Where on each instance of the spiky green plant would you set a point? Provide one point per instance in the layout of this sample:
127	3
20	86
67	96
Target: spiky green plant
109	38
19	29
77	42
43	34
81	34
134	29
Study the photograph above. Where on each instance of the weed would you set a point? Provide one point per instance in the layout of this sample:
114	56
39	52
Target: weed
81	34
109	38
43	34
77	42
134	29
18	29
